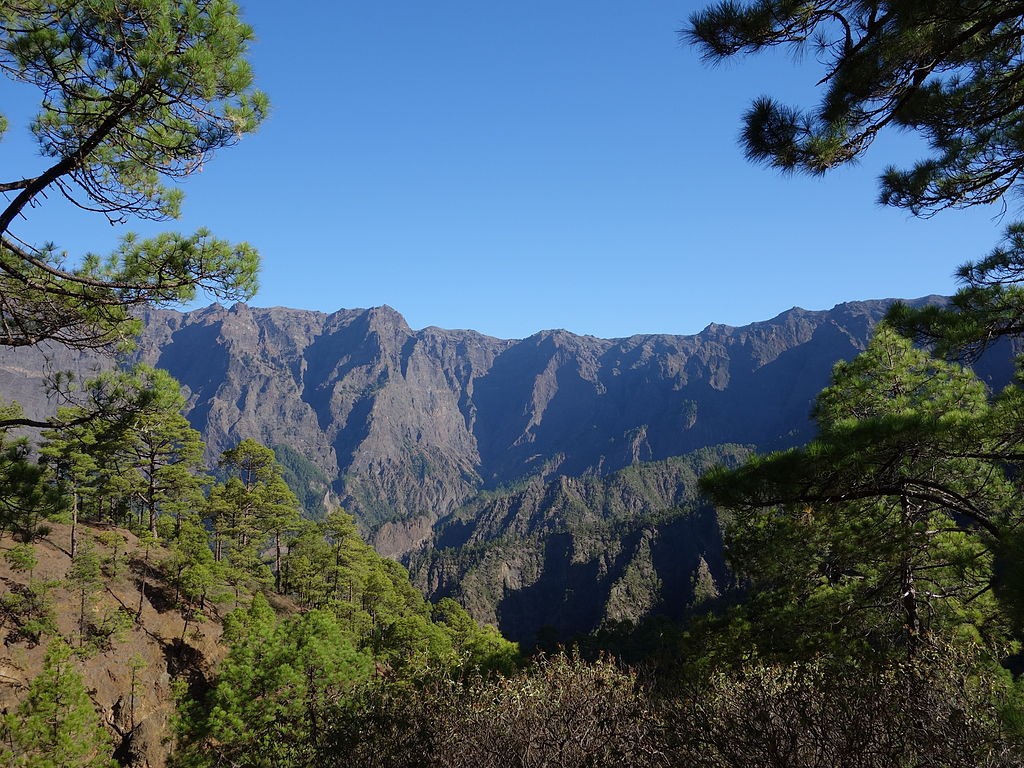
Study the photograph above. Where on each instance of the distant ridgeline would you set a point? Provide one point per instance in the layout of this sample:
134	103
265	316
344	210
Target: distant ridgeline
494	468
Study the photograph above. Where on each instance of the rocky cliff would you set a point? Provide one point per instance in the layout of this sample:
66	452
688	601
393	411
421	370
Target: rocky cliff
569	555
411	424
407	428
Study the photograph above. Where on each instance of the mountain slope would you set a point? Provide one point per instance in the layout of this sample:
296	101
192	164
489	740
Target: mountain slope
568	555
410	425
420	434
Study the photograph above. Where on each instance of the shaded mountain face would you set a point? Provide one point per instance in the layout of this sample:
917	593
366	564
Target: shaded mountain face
569	555
409	425
406	429
412	423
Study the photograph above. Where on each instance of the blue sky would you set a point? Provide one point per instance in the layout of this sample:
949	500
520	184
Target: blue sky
513	167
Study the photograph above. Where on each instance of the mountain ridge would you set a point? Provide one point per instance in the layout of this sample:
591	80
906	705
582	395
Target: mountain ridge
412	423
407	429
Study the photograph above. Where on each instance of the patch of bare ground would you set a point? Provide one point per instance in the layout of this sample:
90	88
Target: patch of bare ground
129	674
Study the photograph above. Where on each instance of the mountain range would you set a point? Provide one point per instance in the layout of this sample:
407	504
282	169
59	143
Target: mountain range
460	453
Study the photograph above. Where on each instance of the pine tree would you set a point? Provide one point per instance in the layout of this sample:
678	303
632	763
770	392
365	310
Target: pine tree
988	306
84	578
276	685
132	93
56	724
146	455
881	532
949	71
191	569
254	503
306	566
26	498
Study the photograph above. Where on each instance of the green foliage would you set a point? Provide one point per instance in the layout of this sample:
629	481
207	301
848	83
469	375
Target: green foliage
26	498
879	533
30	610
84	578
988	306
115	542
55	725
479	648
191	569
946	70
143	455
305	479
252	506
275	688
286	681
329	566
132	93
870	634
22	557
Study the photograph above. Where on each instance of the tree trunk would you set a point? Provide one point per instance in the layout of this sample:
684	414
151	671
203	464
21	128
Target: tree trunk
908	592
74	523
151	500
81	621
277	561
142	587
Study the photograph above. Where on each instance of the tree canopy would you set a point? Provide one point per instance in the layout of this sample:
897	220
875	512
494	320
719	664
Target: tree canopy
56	723
881	530
952	72
890	542
988	306
133	93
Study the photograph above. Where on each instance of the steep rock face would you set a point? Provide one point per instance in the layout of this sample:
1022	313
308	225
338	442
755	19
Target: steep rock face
411	424
500	470
408	445
243	370
569	555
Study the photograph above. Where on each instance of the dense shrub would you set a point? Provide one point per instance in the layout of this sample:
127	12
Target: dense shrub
933	711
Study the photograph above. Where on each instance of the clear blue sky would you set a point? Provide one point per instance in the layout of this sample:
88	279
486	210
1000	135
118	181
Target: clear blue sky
513	167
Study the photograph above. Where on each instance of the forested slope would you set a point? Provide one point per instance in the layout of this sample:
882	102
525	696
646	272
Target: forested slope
567	556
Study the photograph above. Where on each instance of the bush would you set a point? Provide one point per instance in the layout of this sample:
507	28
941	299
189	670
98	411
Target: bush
931	710
560	712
